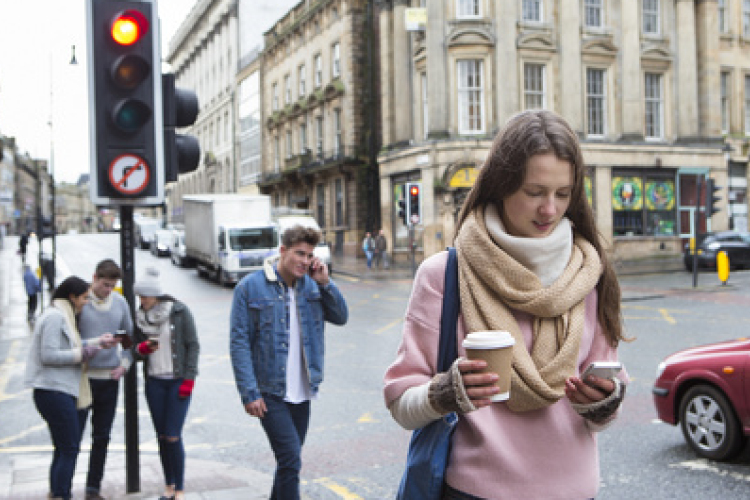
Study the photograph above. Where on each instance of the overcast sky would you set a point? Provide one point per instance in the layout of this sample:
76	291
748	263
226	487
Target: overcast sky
36	40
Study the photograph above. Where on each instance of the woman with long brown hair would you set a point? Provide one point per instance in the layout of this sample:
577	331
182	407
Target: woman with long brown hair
531	263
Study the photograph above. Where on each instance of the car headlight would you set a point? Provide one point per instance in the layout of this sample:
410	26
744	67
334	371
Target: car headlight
660	369
713	246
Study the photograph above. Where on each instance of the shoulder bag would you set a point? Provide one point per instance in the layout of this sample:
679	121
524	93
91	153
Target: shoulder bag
430	446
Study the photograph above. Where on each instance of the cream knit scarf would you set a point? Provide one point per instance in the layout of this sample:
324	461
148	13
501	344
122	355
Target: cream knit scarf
84	391
492	283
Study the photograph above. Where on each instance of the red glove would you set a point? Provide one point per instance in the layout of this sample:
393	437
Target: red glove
145	348
186	388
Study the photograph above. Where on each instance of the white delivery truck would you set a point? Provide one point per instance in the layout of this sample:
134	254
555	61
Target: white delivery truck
227	235
145	228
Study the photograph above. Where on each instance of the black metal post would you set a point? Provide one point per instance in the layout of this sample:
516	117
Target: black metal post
132	461
53	266
412	250
698	185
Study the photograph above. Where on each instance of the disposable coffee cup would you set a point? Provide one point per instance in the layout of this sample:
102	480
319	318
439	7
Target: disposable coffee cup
496	348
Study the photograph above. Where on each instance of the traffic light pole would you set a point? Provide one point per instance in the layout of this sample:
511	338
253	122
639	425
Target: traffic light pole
698	185
412	249
132	460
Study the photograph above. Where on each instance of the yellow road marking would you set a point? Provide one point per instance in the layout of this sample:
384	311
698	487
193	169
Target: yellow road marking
388	326
341	491
667	317
22	434
366	419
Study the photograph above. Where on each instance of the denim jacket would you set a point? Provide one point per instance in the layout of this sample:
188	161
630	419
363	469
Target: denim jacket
259	336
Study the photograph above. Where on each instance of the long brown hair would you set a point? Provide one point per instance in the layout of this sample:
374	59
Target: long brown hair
536	132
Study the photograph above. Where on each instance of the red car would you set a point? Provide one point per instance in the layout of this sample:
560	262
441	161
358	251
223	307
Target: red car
707	391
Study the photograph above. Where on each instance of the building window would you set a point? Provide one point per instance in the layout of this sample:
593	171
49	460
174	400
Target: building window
723	21
725	101
533	86
302	138
644	203
288	89
654	106
276	154
336	60
596	100
320	199
651	17
338	144
301	78
318	71
289	149
594	13
275	94
339	203
747	104
468	8
470	97
746	18
425	107
319	136
531	10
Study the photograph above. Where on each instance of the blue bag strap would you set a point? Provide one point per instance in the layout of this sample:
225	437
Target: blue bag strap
448	352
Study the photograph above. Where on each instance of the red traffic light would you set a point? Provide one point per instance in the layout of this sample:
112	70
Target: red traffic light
414	190
128	27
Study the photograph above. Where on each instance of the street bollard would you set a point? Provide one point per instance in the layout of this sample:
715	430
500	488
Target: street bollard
722	267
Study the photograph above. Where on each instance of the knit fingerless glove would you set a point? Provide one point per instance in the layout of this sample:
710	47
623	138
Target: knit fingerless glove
145	348
186	388
447	392
600	411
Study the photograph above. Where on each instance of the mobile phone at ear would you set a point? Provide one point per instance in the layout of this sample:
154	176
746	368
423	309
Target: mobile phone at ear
602	369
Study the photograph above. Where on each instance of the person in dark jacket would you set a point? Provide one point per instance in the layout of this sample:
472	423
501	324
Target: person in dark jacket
167	342
33	287
23	242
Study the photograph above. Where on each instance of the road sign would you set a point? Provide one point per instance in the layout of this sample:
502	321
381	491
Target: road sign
129	174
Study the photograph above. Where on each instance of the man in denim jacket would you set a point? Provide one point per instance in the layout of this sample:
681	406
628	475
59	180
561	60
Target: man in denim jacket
277	345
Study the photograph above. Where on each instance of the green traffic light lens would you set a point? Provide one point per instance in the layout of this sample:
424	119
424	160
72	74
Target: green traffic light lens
130	115
129	71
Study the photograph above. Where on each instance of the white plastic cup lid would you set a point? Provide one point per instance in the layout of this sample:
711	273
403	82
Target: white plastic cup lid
488	340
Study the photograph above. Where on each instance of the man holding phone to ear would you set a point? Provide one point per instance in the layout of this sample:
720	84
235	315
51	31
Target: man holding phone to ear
281	310
106	312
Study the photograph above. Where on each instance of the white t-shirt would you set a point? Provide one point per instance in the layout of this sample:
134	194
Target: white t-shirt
297	381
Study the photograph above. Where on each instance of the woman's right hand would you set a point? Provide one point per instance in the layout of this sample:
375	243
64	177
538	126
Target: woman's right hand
107	340
479	386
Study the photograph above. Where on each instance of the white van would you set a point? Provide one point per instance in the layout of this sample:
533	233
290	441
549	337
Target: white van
285	221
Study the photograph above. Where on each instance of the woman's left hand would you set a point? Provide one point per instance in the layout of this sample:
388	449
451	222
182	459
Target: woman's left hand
593	390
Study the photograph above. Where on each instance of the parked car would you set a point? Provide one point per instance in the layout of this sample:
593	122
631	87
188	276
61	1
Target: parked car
160	242
736	244
177	252
705	390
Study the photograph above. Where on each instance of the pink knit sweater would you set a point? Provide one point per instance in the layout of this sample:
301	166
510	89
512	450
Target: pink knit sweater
497	454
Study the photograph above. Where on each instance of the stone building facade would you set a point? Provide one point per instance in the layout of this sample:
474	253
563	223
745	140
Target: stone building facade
203	55
640	81
319	117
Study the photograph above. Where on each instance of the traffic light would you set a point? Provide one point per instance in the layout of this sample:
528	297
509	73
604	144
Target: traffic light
125	112
413	203
711	198
182	152
402	211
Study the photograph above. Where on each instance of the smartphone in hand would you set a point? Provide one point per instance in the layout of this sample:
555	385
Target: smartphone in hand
602	369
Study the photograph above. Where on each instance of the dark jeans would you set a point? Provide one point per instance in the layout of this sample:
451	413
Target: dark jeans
32	307
286	426
103	408
65	422
168	413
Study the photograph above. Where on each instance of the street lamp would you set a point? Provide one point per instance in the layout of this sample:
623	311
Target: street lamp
53	265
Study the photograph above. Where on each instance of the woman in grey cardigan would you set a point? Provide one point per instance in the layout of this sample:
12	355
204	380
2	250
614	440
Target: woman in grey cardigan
168	344
56	370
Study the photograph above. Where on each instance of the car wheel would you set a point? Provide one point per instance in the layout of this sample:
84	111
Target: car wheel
709	424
